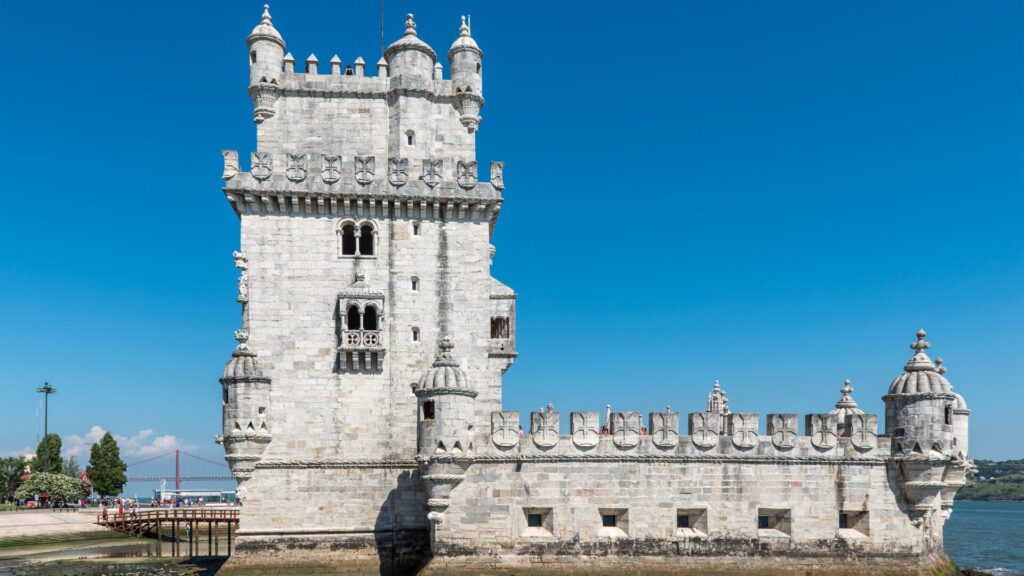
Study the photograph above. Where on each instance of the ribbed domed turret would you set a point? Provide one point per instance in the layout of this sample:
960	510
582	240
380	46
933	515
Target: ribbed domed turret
445	374
920	374
410	41
244	365
265	30
464	41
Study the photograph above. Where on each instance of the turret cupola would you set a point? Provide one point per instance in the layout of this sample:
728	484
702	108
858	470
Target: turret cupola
919	373
266	60
445	376
466	62
409	56
846	406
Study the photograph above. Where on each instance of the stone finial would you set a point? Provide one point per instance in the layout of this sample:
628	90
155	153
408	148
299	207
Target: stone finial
335	65
920	345
360	66
382	67
938	366
464	29
551	407
266	15
311	63
438	72
289	63
410	25
846	400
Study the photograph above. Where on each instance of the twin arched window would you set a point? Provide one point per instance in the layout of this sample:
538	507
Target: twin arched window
366	318
357	239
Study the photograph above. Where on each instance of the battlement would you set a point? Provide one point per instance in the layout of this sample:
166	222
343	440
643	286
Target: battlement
283	182
709	436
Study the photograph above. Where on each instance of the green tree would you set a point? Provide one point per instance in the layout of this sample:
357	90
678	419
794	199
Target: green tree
106	469
71	468
57	487
48	455
11	470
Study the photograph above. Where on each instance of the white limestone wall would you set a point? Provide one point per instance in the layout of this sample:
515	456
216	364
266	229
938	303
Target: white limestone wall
488	509
319	414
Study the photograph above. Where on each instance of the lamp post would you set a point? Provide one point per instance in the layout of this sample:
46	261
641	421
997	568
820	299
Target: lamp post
46	390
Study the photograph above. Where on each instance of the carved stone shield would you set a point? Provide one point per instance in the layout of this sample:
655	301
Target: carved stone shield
432	172
862	430
330	169
704	428
743	429
822	428
364	167
296	171
398	171
262	165
544	428
783	430
505	429
664	429
497	175
466	174
626	429
230	164
585	429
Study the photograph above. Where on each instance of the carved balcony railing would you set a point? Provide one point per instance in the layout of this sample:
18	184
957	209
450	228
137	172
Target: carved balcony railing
361	340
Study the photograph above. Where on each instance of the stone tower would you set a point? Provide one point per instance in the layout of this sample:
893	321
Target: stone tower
365	238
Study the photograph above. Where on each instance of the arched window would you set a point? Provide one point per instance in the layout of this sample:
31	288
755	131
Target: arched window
352	318
415	334
366	240
410	137
370	318
949	415
348	240
415	228
252	56
415	284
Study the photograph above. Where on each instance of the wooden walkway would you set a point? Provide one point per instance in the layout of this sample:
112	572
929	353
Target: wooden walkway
178	526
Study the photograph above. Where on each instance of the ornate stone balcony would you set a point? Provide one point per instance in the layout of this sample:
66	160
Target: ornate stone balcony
361	341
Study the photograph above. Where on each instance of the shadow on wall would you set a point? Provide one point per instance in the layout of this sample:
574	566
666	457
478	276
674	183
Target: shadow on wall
401	532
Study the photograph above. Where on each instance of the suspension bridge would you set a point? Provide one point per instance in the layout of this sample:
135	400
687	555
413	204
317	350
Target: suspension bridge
178	466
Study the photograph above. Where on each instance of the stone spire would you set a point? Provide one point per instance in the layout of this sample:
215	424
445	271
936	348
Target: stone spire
265	30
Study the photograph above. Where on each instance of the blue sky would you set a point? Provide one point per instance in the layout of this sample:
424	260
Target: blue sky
776	195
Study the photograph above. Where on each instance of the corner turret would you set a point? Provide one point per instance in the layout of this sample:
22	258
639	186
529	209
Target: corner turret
919	412
246	397
466	64
266	60
446	412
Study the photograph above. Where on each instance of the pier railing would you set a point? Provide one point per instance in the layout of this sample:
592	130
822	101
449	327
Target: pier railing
177	525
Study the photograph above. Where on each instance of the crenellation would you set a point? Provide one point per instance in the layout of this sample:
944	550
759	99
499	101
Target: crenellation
362	407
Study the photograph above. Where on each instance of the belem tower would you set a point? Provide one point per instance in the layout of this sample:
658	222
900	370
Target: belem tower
362	406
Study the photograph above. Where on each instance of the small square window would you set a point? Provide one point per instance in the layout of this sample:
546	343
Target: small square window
609	520
415	228
898	433
854	523
538	523
773	522
682	521
844	520
763	522
692	522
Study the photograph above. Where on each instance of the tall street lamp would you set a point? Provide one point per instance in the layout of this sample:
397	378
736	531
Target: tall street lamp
46	390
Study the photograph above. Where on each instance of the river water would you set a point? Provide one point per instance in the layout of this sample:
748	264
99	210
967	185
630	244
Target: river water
988	536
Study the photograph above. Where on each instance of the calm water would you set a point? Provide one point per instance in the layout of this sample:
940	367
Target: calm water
988	536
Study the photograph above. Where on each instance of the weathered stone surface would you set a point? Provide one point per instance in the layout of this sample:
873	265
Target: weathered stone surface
362	408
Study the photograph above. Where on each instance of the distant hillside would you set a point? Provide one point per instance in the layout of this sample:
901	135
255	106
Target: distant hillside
995	481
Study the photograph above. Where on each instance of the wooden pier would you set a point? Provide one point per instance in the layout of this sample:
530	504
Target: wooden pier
180	526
